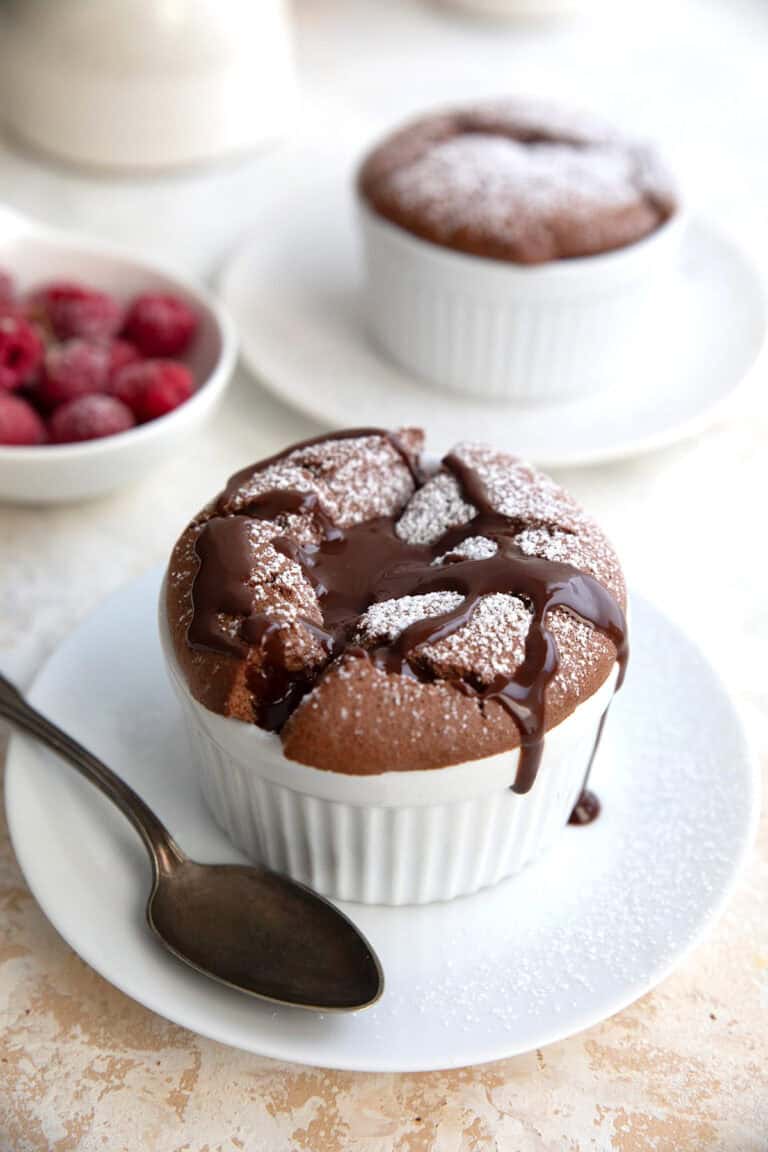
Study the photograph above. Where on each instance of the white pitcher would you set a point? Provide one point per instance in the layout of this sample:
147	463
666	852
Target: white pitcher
145	83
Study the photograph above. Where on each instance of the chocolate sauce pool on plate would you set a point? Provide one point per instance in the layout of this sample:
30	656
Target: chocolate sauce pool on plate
367	563
586	809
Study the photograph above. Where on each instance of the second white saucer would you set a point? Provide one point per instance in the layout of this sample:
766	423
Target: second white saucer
293	287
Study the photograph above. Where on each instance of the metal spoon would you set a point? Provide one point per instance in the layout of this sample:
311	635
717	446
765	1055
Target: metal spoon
244	926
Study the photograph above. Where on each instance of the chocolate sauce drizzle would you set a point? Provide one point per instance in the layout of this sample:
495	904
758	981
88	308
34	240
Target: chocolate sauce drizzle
367	563
587	808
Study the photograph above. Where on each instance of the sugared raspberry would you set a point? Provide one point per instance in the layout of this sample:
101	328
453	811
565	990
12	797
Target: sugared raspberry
7	291
72	310
151	388
121	354
89	418
19	423
160	325
73	369
21	351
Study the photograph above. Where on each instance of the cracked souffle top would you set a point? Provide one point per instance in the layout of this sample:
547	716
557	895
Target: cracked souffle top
521	181
381	616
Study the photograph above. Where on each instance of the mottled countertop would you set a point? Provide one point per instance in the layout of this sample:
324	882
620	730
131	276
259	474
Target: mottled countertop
685	1069
83	1068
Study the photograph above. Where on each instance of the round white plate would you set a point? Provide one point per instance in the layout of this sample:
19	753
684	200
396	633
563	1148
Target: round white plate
573	939
294	288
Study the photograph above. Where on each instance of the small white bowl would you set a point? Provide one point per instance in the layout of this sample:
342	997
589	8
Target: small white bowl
34	254
484	327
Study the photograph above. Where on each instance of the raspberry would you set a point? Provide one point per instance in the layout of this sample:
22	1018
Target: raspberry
19	423
121	354
72	310
20	351
160	325
73	369
6	287
13	309
89	418
152	388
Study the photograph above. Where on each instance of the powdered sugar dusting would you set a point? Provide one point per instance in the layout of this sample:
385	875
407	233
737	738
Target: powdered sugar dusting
383	622
474	548
492	644
356	479
491	182
395	695
433	509
587	549
519	491
268	566
552	526
281	591
576	639
519	180
552	544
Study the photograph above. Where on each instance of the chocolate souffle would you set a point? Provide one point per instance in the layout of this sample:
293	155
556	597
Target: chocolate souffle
520	181
383	616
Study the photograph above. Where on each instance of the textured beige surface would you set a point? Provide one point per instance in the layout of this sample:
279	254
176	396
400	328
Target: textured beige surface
83	1068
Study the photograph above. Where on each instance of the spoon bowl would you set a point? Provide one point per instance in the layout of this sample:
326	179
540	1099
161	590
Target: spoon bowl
264	934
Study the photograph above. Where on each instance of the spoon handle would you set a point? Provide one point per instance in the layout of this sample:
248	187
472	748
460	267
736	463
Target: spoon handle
161	846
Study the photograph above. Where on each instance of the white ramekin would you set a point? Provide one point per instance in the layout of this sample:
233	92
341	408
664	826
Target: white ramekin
394	838
490	328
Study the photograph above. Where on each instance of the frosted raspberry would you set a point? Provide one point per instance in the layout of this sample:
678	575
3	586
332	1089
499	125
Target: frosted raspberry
89	418
72	310
21	351
160	325
73	369
151	388
19	423
121	354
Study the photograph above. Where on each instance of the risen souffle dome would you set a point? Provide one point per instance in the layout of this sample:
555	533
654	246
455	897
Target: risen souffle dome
519	180
356	717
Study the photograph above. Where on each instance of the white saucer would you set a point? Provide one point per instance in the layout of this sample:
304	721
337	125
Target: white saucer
573	939
293	287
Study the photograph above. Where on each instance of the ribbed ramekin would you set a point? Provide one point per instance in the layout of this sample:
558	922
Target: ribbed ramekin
395	838
490	328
